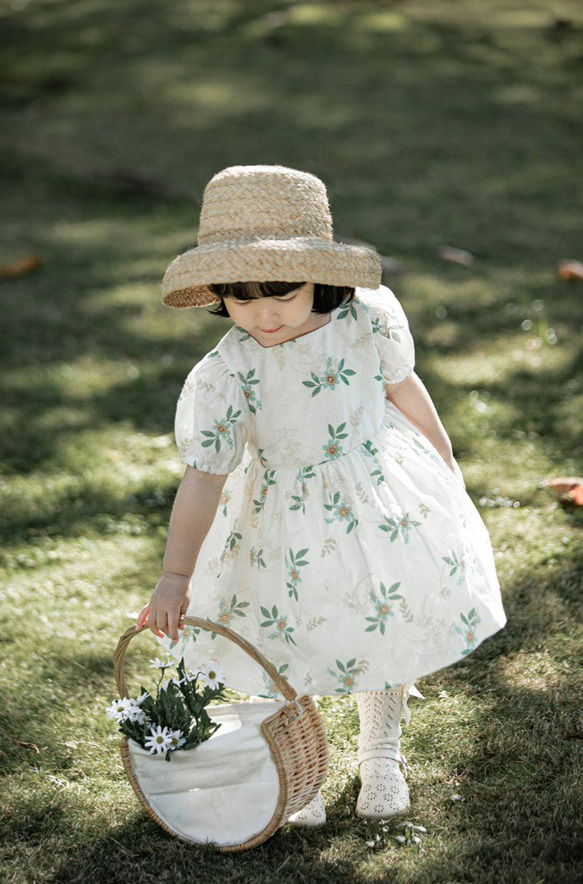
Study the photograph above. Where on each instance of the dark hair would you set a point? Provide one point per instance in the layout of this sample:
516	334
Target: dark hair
326	297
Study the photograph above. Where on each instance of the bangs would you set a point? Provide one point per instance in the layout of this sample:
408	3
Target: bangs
248	291
326	297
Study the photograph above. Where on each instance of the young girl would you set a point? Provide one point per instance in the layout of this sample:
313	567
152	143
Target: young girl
322	514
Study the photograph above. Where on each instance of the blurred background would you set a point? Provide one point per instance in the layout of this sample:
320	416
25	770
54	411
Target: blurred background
449	134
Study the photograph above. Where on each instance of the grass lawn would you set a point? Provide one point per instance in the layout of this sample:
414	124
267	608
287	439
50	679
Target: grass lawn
433	122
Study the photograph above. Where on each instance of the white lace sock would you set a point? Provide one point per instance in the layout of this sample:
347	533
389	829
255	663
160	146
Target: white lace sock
310	816
383	769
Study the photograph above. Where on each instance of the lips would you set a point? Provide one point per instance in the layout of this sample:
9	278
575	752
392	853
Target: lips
271	331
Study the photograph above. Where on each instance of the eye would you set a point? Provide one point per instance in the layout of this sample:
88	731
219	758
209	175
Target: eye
284	299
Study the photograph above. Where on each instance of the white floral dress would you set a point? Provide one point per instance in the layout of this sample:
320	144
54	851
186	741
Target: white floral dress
343	547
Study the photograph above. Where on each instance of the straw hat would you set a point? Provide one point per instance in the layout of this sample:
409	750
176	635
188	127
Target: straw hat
265	224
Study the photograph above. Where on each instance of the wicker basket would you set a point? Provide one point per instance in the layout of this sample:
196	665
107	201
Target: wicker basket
294	735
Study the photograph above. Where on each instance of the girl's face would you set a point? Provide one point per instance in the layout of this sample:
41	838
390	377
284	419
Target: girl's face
273	320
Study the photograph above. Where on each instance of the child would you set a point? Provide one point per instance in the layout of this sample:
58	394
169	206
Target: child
322	514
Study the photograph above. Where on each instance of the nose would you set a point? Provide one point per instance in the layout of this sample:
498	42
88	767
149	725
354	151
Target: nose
266	310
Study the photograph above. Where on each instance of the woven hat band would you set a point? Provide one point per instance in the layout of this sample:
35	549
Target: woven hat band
242	237
266	202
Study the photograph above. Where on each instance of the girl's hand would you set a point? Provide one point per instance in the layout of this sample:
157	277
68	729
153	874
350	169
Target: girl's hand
169	602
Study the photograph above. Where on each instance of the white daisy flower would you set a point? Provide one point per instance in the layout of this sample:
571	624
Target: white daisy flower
159	740
134	713
176	739
161	664
211	675
118	709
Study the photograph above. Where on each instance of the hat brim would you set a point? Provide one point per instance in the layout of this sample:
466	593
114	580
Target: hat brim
186	280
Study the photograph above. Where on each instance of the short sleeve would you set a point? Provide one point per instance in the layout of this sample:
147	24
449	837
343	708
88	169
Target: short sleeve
210	418
391	334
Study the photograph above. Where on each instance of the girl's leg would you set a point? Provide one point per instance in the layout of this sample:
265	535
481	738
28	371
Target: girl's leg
384	791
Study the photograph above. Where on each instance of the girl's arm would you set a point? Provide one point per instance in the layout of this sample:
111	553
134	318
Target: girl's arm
194	509
413	400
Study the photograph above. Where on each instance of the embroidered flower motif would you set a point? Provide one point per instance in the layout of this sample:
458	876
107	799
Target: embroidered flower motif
333	448
346	675
400	525
330	378
224	501
282	630
229	608
382	327
458	565
341	512
468	630
221	431
382	602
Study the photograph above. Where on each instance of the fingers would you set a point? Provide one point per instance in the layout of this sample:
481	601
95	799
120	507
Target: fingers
142	616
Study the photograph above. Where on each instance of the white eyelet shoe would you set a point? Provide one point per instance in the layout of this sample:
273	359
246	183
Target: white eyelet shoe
383	768
311	816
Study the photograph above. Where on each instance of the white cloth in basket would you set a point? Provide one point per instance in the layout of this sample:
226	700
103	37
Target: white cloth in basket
224	791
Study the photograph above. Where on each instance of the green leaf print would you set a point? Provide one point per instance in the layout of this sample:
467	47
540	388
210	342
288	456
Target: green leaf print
294	562
347	310
299	500
382	602
249	381
282	630
256	558
371	451
330	377
231	543
268	480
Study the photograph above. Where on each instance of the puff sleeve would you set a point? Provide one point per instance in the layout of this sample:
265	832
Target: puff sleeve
391	335
210	418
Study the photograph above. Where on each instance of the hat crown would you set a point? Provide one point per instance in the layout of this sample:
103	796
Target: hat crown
246	203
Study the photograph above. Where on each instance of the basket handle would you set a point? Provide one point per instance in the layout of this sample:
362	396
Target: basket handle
118	660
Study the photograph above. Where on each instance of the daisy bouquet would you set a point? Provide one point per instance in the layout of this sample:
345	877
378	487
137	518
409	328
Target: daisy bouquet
174	715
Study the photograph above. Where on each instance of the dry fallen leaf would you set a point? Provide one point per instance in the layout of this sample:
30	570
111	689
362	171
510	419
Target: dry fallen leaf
570	270
569	489
20	268
456	256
